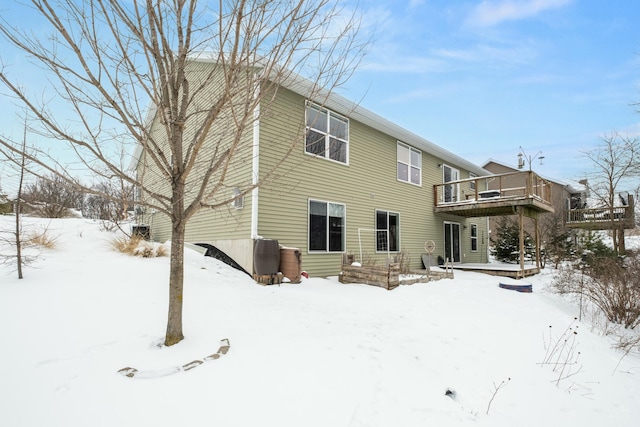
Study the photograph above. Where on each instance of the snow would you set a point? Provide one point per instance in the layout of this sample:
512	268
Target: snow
318	353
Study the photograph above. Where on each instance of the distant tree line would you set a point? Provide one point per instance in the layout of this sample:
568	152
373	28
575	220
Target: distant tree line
52	197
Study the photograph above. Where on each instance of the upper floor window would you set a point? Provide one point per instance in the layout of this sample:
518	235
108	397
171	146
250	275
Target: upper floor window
327	134
472	184
451	191
326	226
409	164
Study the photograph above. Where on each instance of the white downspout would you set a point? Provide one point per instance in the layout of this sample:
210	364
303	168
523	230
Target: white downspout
255	166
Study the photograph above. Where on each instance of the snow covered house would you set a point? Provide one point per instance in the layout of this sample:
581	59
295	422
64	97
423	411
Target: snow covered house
353	183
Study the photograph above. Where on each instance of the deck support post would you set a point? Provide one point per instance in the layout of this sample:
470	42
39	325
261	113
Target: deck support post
521	223
535	223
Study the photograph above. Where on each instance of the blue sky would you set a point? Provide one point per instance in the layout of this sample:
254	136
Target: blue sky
482	78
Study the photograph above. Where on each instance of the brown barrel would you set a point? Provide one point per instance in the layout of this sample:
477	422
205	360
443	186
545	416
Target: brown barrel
266	257
291	263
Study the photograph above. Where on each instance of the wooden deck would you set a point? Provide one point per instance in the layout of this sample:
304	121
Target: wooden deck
603	218
500	269
494	195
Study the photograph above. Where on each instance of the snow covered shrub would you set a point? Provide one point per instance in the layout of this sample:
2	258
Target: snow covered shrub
611	284
506	244
144	250
557	240
137	246
161	250
628	342
595	248
106	225
125	244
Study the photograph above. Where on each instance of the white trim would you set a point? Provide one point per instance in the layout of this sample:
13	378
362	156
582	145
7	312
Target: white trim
344	228
472	238
453	179
255	167
472	184
388	212
409	165
327	135
444	239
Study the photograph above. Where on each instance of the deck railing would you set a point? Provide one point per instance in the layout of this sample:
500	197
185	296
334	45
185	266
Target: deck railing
515	185
604	217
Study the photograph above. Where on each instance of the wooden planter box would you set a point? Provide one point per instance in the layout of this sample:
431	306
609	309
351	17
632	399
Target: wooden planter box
384	277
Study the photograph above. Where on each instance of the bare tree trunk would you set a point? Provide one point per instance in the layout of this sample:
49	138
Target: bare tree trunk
18	198
622	250
18	242
521	234
176	274
123	55
535	221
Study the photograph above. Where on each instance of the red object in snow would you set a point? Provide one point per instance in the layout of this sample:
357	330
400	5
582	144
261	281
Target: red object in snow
305	274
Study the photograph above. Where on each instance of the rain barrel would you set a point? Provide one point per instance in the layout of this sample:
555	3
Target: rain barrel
266	257
291	263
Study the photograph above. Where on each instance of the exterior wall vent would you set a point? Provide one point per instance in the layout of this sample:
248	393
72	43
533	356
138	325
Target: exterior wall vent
238	201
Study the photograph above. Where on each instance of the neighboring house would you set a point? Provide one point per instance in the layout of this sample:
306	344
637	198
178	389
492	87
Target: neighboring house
355	183
564	196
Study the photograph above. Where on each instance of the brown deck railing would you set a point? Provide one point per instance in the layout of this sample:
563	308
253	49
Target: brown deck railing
515	185
605	217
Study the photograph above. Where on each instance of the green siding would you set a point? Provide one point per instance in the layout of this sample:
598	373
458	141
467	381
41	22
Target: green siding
290	178
366	184
224	222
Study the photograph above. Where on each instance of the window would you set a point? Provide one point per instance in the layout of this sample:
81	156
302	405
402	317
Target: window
327	134
474	238
451	191
387	231
409	164
326	226
472	184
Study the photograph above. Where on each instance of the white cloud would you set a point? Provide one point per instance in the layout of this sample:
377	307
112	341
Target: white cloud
631	131
489	13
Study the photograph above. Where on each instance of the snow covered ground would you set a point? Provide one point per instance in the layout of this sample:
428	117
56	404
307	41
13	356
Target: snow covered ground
318	353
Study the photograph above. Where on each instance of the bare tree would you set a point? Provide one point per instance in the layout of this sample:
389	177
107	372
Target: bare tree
51	197
14	239
119	66
18	203
113	210
616	162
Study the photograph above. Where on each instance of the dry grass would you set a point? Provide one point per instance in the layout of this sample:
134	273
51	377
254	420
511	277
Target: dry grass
137	246
610	284
162	250
40	238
